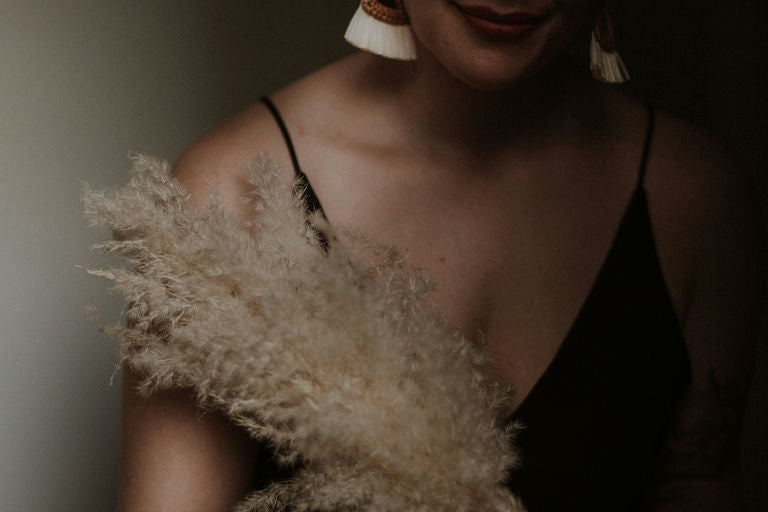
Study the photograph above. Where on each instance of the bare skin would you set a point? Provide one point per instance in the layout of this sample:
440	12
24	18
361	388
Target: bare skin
510	199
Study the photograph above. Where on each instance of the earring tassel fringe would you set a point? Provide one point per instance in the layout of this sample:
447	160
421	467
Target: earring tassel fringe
384	39
607	66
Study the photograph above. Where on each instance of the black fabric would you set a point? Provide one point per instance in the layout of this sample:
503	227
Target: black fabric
593	424
303	187
313	203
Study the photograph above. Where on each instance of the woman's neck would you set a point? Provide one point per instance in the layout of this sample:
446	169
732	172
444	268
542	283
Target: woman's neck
440	111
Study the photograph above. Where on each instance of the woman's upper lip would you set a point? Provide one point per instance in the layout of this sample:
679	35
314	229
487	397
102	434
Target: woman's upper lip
511	18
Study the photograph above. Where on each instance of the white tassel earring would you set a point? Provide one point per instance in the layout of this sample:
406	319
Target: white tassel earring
381	27
605	61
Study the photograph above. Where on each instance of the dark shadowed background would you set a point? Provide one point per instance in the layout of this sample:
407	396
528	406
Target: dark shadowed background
706	60
85	82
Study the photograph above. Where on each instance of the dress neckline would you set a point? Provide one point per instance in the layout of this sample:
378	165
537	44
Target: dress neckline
638	200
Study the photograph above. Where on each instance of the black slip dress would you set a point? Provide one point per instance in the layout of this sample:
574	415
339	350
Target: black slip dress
592	426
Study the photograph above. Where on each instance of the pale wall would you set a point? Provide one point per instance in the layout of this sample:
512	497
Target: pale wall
83	83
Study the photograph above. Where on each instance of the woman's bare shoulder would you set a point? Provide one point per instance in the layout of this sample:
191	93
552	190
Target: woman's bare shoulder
686	151
706	213
333	85
221	157
694	177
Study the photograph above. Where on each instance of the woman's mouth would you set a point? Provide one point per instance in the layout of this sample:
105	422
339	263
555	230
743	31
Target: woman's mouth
495	25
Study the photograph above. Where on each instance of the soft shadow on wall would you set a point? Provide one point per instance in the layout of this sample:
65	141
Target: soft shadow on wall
267	44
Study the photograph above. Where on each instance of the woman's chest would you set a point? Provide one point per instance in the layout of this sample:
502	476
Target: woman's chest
514	250
511	266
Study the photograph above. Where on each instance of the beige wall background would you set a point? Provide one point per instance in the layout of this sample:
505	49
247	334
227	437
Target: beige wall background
82	84
85	82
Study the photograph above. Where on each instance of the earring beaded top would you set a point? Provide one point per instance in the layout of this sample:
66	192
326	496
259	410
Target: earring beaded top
605	62
604	31
382	29
393	14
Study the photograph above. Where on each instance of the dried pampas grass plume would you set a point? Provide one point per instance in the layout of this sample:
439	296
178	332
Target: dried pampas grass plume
387	408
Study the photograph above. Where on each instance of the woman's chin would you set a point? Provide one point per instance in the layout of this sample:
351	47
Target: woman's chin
493	77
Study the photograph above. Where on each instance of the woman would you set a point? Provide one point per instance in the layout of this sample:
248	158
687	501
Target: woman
609	254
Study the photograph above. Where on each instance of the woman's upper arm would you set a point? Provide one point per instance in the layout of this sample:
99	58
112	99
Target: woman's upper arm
174	456
721	328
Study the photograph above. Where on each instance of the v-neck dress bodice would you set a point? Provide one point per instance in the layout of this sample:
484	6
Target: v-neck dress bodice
592	427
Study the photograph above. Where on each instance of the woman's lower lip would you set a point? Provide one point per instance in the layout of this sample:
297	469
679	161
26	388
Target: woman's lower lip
495	30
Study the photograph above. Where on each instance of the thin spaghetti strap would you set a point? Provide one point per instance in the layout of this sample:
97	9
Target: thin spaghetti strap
310	198
646	144
313	203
